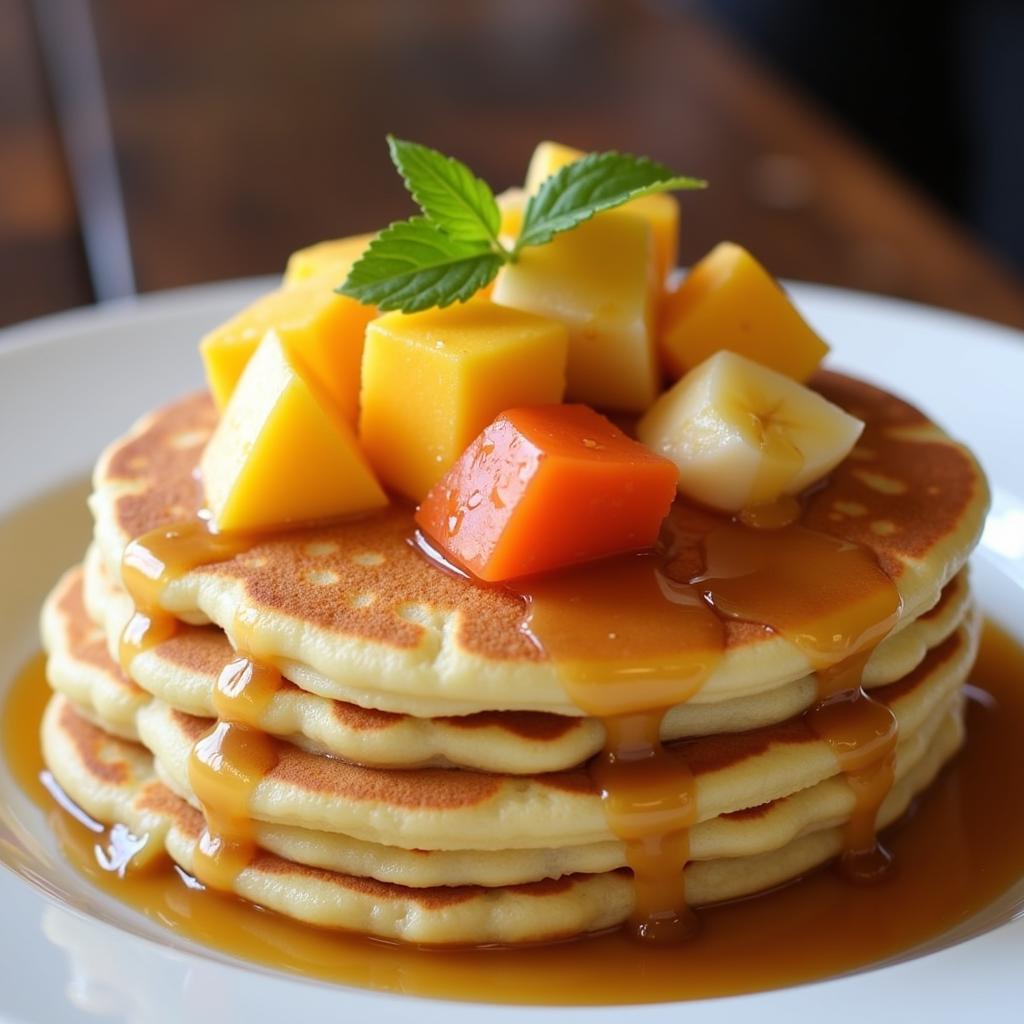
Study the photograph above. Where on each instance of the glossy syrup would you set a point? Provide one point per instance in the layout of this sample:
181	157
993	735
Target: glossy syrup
632	636
962	841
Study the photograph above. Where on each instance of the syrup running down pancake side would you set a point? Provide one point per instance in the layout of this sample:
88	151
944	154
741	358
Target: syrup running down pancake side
620	640
229	761
958	840
632	636
614	629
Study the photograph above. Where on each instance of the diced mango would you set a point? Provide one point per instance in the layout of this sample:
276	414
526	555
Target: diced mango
330	261
660	210
729	301
546	487
599	280
433	380
322	330
281	453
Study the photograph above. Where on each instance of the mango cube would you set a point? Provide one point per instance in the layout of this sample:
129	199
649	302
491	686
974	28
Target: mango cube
598	279
660	210
547	487
729	301
433	380
282	453
321	330
330	261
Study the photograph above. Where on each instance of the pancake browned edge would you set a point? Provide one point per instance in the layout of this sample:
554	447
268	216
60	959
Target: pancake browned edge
112	779
183	672
352	612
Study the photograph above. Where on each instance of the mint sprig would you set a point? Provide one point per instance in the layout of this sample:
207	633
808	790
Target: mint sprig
413	265
446	190
595	182
453	250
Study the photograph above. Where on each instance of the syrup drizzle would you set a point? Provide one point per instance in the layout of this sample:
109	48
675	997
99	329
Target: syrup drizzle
800	933
614	630
633	636
226	765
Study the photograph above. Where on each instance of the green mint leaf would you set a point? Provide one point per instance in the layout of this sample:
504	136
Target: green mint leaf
412	266
596	182
448	192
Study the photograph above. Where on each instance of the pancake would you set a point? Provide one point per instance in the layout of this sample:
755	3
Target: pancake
352	612
79	664
114	781
182	673
453	810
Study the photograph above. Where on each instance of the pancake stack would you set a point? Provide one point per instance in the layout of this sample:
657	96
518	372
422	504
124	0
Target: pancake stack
416	765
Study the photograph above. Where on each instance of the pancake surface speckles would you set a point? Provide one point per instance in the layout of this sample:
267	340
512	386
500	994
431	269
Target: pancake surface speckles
353	612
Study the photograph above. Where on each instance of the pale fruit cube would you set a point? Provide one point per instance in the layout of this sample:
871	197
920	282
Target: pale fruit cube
322	330
599	280
660	210
281	453
743	435
433	380
729	301
512	204
330	261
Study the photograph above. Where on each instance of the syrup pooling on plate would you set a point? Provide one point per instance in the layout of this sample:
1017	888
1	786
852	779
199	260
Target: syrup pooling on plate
785	937
634	636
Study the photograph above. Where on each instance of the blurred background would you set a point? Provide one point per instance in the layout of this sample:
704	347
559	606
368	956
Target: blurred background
875	145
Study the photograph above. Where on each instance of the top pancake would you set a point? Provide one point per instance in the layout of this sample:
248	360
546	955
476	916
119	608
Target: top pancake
356	613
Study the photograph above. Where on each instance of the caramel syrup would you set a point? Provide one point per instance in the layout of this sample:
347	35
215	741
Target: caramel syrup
959	842
632	636
226	765
635	635
150	562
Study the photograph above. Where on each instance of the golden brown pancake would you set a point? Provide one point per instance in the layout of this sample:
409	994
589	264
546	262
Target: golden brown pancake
182	672
436	808
113	780
353	612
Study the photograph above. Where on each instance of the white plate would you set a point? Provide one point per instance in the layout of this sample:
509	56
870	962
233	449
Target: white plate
70	383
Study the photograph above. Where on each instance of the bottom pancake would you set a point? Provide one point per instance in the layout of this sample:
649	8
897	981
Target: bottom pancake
114	780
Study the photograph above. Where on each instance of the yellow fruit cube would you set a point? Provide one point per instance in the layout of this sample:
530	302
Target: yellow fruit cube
322	330
433	380
512	203
281	453
328	260
729	301
660	210
599	280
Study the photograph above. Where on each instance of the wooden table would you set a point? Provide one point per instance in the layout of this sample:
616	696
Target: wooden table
243	131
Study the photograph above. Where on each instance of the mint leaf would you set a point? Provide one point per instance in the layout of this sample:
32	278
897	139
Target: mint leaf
412	266
448	192
596	182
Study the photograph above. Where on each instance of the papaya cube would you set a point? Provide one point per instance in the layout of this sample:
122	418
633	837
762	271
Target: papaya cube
599	280
330	261
433	380
544	487
660	210
282	453
729	301
322	330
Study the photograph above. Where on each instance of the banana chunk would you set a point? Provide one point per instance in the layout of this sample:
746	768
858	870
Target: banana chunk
743	435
